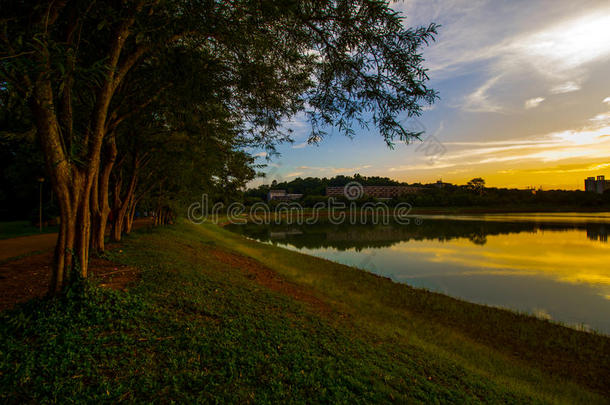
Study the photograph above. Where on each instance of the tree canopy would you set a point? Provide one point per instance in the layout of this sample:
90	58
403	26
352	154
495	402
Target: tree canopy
131	100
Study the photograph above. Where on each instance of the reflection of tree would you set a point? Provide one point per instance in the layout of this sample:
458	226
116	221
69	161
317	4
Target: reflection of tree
597	232
360	237
478	239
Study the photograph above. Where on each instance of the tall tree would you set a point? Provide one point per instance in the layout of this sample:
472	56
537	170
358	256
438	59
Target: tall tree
477	185
339	62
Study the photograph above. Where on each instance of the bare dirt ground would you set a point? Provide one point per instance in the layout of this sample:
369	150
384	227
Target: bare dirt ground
271	280
26	244
23	245
29	277
25	272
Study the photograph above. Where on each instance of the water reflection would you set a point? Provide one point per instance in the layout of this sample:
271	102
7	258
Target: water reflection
552	266
362	236
597	232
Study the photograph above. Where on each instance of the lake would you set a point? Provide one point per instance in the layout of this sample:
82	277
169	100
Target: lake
554	266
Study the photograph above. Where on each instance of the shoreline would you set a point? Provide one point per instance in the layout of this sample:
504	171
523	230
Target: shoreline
301	217
214	296
499	210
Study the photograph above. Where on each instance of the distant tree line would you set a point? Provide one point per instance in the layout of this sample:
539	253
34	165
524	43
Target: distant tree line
314	186
472	194
467	196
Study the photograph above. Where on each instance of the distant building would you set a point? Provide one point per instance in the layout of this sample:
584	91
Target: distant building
376	191
440	184
590	184
282	195
598	185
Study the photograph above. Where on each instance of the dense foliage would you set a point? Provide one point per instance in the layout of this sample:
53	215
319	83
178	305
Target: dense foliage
473	194
149	102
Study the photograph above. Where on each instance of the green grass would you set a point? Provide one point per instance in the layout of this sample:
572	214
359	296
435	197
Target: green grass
14	229
198	329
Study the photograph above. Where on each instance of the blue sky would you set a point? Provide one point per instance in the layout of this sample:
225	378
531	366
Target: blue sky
525	100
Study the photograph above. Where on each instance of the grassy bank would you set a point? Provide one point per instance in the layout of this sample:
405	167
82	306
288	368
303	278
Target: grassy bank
217	317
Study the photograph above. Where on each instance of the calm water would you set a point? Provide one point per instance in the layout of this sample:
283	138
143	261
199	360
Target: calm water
556	266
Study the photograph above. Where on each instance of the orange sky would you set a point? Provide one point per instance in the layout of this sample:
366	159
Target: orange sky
524	101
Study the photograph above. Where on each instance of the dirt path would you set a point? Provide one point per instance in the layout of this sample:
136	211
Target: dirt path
29	277
22	279
23	245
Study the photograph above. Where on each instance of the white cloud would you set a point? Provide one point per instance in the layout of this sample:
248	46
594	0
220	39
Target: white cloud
260	154
589	141
425	166
569	45
589	168
603	118
476	30
346	170
479	101
606	100
533	102
561	52
299	125
299	145
474	37
509	142
566	87
324	171
294	174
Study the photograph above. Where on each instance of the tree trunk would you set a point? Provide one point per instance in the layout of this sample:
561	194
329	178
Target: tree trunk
83	230
99	199
165	216
73	171
72	248
157	216
70	185
122	206
130	216
116	229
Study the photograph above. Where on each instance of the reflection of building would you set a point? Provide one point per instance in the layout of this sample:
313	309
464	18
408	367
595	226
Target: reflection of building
283	235
375	191
282	195
597	232
598	185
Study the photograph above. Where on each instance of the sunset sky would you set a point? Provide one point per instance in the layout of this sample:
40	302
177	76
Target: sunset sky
524	100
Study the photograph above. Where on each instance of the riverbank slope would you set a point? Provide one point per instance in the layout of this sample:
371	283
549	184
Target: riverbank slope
218	317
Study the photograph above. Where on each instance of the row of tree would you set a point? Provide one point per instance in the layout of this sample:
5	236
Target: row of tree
505	199
472	194
315	186
155	101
